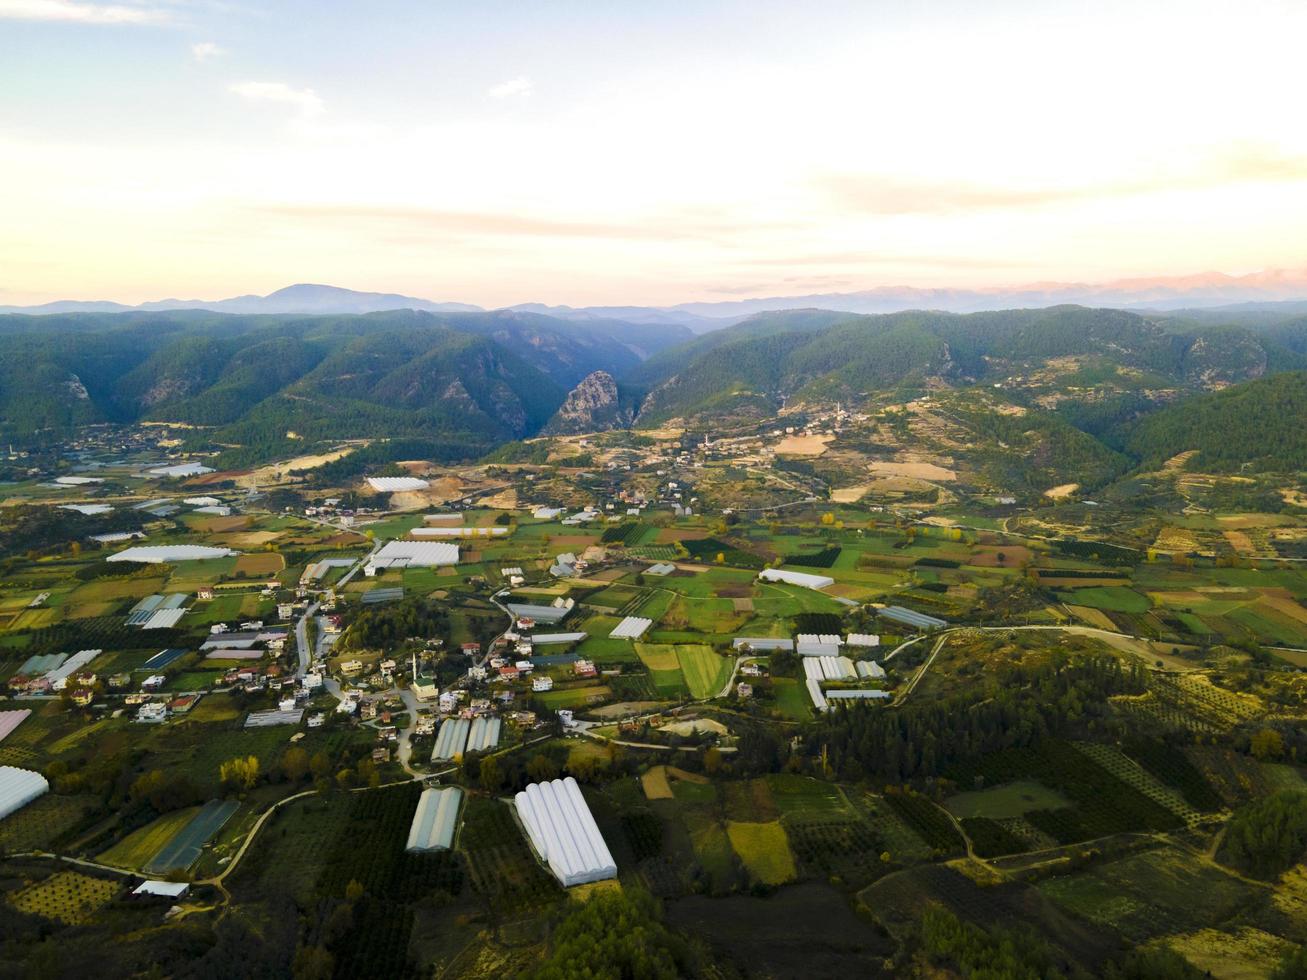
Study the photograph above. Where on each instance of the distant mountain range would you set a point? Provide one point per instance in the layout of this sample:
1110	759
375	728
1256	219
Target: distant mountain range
1205	291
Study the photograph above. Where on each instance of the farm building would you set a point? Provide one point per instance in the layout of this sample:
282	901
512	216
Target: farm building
9	720
547	639
90	510
19	787
563	832
162	889
762	643
541	614
459	532
661	568
814	645
910	617
180	470
396	484
164	619
59	676
631	628
375	596
412	554
435	819
483	735
828	668
862	640
814	692
451	739
867	694
803	579
169	553
264	719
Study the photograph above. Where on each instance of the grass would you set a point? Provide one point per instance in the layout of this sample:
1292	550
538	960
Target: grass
792	698
573	697
138	848
802	796
1009	800
764	849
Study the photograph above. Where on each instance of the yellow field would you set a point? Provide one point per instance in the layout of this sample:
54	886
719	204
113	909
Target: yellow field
764	849
656	785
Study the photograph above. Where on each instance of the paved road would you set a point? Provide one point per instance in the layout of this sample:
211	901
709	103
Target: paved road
302	640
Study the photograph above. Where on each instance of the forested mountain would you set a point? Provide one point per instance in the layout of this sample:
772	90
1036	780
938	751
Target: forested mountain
1261	425
474	378
754	366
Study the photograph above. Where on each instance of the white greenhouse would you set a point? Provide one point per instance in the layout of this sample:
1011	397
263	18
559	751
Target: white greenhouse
19	787
563	832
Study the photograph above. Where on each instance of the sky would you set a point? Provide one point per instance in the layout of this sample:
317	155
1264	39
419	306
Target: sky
646	153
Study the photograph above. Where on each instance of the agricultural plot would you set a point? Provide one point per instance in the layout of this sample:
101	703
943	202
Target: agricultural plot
926	820
1009	800
38	825
1104	804
764	849
69	897
704	670
138	848
500	864
1151	893
183	849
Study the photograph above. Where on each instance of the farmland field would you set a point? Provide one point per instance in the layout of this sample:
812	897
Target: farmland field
764	849
66	896
705	671
1009	800
138	848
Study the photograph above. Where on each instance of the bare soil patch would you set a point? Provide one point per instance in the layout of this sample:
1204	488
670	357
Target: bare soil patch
915	470
850	495
1013	556
1062	490
803	445
263	563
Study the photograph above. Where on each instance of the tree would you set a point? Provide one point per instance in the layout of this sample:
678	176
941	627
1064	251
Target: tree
712	761
489	775
295	763
240	773
541	768
320	765
1267	744
616	934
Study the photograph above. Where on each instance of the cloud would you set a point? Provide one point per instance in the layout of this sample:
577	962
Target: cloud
305	99
512	89
430	223
204	50
68	12
883	195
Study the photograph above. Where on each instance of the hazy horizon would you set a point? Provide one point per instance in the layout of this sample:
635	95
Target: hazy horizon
566	155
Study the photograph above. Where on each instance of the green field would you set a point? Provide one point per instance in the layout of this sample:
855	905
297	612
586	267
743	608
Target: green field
1112	598
705	671
1009	800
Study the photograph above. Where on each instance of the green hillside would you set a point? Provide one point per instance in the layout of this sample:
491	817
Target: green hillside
1258	425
